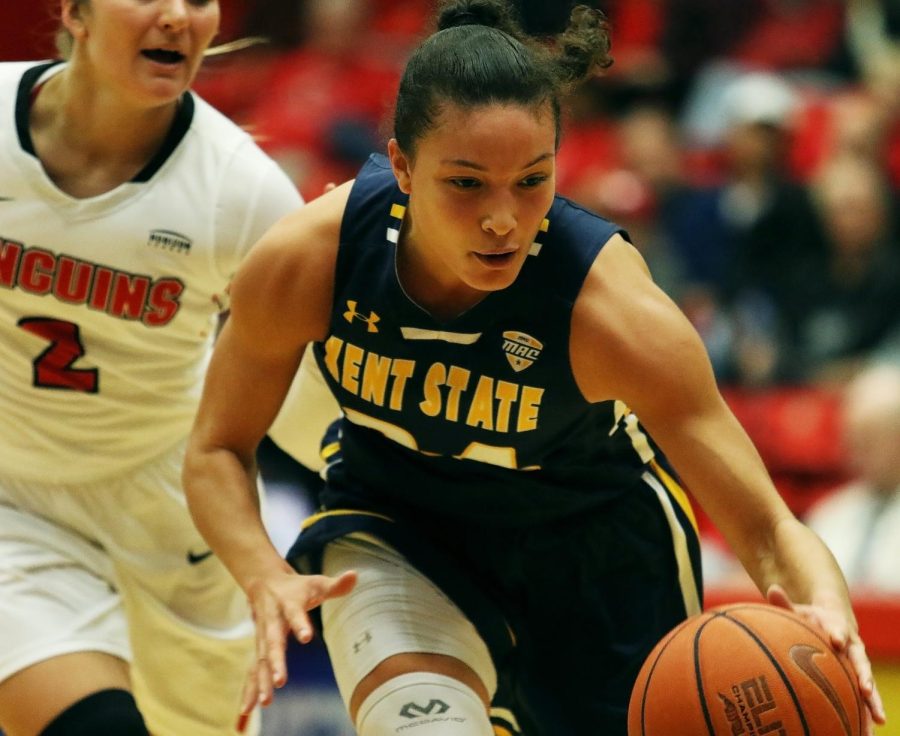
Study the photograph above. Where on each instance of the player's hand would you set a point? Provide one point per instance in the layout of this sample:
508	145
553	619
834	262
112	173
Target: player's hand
279	604
844	637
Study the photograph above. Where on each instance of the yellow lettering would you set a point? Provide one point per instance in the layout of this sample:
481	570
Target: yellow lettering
391	431
505	457
401	370
353	356
529	406
374	378
435	377
481	411
457	380
507	393
333	347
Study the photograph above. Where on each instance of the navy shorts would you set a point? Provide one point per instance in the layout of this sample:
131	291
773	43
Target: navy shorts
569	609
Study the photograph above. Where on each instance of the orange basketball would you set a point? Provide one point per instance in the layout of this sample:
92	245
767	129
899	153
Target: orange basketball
746	669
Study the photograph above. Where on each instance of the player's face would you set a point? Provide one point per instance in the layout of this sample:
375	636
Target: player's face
148	50
480	184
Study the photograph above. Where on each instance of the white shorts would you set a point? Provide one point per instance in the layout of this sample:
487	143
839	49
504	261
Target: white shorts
118	567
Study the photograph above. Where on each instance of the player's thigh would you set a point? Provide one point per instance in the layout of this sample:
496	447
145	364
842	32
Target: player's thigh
192	643
35	696
396	621
59	608
188	622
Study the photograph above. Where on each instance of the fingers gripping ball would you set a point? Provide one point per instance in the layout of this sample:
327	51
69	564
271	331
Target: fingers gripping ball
745	670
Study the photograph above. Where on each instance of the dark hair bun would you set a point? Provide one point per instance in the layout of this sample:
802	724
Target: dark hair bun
472	13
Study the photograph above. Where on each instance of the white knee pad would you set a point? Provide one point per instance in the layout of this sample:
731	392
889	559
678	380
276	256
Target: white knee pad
423	704
394	609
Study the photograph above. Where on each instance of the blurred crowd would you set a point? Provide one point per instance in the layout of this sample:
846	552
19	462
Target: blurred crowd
750	147
752	150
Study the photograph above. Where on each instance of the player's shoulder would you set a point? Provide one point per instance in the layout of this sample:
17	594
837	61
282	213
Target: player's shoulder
216	134
12	72
317	225
374	180
239	169
567	245
374	202
15	69
573	220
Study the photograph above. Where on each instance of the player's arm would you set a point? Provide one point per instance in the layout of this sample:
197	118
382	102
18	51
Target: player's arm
280	301
630	342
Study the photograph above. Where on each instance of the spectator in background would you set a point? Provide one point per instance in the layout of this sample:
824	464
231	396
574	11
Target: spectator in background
773	35
743	239
638	180
844	304
792	35
325	101
872	34
697	31
861	119
860	522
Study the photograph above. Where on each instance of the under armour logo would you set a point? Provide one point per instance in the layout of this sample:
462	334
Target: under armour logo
351	314
361	642
414	710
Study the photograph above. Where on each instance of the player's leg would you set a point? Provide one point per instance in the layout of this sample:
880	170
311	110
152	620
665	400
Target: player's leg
404	654
77	694
189	623
187	677
62	629
603	590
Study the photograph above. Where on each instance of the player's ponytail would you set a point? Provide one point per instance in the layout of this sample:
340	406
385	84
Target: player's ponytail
583	48
480	54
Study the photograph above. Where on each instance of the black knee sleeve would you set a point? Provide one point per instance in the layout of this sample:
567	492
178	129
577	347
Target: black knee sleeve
108	712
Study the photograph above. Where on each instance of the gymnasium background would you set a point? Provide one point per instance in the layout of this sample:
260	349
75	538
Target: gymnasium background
750	147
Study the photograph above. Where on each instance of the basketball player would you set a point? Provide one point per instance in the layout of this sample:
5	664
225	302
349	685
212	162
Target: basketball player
501	541
125	205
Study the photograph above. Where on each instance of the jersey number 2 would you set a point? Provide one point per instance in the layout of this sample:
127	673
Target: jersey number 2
53	367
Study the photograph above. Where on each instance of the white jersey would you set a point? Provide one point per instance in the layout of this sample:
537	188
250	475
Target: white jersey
108	305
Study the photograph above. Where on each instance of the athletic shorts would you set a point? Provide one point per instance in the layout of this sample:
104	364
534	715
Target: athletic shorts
118	567
568	609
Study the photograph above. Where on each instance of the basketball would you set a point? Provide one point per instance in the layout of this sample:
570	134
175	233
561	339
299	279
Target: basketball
745	669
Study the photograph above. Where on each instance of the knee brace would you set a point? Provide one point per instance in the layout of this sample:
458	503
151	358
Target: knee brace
394	609
424	704
110	712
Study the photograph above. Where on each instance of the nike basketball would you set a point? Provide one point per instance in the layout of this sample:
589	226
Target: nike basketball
745	669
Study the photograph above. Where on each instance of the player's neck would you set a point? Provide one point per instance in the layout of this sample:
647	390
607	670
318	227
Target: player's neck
88	140
431	287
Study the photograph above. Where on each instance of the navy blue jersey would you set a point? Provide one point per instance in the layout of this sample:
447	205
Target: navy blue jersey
479	416
456	429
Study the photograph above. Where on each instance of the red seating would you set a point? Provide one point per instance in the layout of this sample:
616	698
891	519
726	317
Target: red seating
797	431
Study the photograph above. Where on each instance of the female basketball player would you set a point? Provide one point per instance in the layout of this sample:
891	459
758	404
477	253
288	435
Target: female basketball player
517	540
125	204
